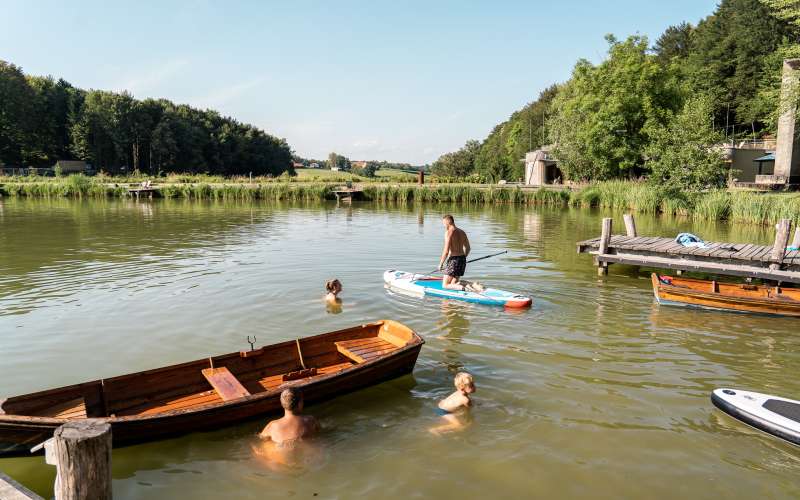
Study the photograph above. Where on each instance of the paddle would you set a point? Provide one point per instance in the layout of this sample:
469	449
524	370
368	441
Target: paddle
437	270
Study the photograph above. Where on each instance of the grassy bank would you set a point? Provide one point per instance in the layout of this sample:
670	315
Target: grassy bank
742	206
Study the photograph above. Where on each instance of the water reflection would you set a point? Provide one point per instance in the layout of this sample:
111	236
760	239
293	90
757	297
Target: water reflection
596	388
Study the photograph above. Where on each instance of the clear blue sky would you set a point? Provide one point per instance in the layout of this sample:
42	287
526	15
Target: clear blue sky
386	80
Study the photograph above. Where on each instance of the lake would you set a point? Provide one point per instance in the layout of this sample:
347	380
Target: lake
595	391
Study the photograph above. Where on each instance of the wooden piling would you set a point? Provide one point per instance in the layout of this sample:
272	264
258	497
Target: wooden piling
782	230
796	239
630	225
420	177
605	239
81	451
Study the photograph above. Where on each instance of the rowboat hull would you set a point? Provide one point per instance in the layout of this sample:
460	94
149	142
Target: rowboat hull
18	433
726	296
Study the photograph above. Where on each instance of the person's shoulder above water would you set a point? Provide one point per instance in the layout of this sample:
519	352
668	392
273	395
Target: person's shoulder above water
292	426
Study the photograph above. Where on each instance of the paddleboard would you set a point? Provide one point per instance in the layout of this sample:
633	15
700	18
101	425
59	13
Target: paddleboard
420	285
775	415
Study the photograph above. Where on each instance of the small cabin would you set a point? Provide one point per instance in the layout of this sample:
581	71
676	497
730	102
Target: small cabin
541	168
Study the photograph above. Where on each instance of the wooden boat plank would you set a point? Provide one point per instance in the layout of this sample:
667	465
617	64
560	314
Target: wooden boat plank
381	344
66	407
730	296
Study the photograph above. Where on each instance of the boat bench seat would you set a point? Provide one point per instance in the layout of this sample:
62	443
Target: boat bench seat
227	386
363	350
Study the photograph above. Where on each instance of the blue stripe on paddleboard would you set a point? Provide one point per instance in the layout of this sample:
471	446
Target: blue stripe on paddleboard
490	297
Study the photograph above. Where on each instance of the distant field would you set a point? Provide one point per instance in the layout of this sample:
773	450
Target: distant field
324	174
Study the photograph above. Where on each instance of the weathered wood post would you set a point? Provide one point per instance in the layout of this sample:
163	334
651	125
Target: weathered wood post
81	452
782	230
420	177
630	225
605	239
796	239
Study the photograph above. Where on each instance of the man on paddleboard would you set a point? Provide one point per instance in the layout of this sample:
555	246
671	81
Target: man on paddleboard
454	255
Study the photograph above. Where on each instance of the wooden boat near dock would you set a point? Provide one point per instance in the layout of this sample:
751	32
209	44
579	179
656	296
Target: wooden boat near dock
210	393
742	297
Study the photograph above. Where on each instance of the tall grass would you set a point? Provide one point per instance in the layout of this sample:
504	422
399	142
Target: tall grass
741	207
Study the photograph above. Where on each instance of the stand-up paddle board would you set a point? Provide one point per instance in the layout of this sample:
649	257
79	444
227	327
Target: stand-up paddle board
421	285
775	415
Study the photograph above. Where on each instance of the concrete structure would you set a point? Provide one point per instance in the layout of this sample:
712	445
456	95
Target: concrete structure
541	168
741	159
787	155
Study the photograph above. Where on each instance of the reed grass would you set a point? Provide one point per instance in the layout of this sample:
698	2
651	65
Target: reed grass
740	207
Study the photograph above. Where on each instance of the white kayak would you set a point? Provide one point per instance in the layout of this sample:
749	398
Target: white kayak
421	285
775	415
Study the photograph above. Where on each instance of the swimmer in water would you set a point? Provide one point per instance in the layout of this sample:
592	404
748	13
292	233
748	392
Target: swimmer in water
454	408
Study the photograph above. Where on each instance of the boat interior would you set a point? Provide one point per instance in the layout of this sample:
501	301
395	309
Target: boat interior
216	379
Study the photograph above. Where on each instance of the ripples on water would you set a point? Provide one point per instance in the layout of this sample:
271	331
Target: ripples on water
595	391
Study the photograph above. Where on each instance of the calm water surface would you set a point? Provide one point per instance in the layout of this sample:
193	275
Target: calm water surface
595	391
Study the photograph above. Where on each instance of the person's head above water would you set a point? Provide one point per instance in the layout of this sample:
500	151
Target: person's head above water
333	286
292	399
463	382
448	220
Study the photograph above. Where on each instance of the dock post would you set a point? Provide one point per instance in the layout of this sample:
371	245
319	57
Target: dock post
420	177
796	239
782	230
605	239
81	452
630	225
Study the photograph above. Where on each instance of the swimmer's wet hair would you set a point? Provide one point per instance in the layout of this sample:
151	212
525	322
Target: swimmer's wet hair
331	284
463	379
449	219
291	399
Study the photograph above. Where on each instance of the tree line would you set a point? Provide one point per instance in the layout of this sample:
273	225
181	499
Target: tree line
43	120
652	110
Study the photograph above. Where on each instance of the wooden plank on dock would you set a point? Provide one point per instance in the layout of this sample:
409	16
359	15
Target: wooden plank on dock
12	490
701	266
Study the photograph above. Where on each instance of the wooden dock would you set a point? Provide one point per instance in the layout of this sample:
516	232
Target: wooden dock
347	194
772	263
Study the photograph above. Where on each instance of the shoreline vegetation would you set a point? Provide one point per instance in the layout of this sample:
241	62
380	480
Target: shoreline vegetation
638	197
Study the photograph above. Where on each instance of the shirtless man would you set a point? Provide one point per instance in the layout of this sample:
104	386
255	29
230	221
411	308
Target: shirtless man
292	426
456	249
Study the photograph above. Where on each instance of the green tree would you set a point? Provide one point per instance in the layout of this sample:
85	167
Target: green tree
458	164
786	10
681	155
675	42
727	58
16	125
601	116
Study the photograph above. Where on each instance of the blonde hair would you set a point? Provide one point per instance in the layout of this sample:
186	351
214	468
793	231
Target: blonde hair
463	379
330	285
291	399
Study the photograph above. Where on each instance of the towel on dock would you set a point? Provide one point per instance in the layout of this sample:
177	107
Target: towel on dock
689	240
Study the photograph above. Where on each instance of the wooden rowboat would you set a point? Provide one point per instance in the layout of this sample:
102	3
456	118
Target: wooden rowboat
210	393
742	297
